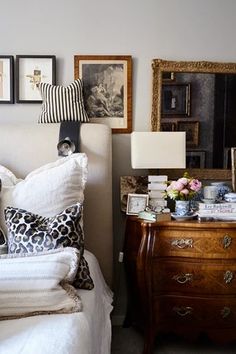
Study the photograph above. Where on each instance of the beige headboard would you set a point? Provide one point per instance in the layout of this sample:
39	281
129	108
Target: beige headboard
26	146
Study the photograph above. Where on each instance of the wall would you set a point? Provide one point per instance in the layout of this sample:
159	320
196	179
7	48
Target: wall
175	30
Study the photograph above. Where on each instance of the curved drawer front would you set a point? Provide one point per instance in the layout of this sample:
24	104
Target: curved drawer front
188	277
203	312
195	243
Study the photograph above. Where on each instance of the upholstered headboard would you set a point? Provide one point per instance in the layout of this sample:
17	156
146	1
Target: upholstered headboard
26	146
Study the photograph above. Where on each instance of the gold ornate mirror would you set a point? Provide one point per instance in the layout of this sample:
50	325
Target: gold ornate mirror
196	96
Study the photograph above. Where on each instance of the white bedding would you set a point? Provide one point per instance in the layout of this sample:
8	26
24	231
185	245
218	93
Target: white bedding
86	332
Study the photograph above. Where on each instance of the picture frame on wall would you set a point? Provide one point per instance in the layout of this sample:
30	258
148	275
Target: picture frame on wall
168	76
175	100
6	79
107	85
31	70
195	159
168	127
192	132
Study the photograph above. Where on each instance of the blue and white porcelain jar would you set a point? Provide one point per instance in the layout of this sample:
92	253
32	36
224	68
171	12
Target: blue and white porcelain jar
222	189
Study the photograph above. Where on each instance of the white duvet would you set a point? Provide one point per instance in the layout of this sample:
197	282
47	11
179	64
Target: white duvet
86	332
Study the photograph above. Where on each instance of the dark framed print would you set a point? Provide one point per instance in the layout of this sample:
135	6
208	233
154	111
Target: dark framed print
168	126
168	76
192	132
175	100
31	70
107	88
6	79
195	159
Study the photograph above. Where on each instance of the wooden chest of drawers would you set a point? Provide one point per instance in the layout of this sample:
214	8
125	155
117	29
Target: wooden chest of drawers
181	278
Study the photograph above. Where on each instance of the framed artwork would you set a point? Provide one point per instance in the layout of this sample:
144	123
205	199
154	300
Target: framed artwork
31	70
192	132
195	159
168	76
6	79
136	203
107	87
175	100
168	127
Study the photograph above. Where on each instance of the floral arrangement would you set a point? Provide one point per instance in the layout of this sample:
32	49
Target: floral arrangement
185	188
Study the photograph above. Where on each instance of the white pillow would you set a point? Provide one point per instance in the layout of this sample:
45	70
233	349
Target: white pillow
7	177
47	190
39	284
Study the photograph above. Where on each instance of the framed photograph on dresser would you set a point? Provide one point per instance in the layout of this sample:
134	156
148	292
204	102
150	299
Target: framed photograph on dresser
6	79
31	70
107	81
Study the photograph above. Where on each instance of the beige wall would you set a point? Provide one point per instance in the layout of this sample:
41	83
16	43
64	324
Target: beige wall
170	29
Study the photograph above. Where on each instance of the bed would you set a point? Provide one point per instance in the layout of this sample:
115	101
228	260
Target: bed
24	147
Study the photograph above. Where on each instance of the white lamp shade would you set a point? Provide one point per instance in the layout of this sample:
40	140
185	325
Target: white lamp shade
158	150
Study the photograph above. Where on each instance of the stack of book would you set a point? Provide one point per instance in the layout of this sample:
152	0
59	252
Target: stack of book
156	191
217	211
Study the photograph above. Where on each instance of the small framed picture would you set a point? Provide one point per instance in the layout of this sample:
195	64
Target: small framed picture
175	100
31	70
6	79
136	203
192	132
168	127
168	76
195	159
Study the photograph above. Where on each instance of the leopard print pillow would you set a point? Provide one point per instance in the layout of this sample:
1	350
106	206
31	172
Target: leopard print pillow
28	232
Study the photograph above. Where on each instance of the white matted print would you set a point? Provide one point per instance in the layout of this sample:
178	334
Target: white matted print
6	79
31	70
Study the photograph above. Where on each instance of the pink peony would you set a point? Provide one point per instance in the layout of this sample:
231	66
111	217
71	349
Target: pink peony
178	186
183	180
185	188
195	185
185	191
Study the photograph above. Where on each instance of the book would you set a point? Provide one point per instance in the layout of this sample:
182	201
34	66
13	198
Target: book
215	217
157	186
221	208
158	178
156	194
152	216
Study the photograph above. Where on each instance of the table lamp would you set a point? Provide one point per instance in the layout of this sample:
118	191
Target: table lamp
157	150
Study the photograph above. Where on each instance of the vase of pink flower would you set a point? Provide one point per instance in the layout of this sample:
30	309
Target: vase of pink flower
183	191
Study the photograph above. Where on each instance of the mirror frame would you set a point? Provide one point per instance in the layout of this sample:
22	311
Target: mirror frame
158	67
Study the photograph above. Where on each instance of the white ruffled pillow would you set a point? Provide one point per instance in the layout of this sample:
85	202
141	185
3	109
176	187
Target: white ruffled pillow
47	190
37	284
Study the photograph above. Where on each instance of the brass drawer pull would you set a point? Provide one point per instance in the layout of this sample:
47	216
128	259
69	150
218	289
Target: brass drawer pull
183	310
183	278
227	240
225	312
228	276
182	243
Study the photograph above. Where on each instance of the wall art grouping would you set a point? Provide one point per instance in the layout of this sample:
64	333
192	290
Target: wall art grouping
29	71
107	84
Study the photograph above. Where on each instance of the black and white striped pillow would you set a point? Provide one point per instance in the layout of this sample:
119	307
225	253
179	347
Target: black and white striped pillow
62	103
